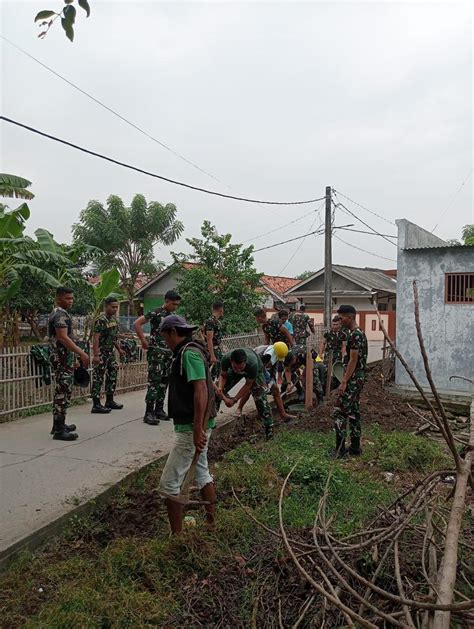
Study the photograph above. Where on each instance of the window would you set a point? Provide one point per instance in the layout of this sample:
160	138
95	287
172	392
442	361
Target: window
383	307
459	288
374	325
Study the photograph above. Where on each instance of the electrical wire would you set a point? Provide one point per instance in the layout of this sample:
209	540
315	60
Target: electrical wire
361	231
283	242
272	231
364	208
150	174
112	111
364	250
339	204
453	198
298	247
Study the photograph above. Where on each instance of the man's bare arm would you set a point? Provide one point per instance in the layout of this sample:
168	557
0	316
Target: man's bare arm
200	406
138	327
63	338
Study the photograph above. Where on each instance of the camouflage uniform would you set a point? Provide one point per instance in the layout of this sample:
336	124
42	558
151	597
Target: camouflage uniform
214	325
62	361
272	327
258	391
300	324
347	407
159	358
108	329
334	341
300	353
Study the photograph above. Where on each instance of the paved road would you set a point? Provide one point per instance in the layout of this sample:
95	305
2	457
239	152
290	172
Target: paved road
42	480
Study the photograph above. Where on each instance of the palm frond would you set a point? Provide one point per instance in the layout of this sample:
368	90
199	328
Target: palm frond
15	187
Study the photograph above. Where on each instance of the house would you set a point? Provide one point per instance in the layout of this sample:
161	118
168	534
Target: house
151	294
445	279
363	288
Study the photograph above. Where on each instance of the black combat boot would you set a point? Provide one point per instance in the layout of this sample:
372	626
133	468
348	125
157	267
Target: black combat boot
355	449
68	427
149	417
60	431
339	451
160	413
98	408
111	404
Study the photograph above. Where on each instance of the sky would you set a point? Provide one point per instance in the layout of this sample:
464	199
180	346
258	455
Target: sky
276	100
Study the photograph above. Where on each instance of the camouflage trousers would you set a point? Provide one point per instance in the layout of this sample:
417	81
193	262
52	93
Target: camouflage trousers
317	383
108	366
62	364
259	394
216	367
347	409
159	365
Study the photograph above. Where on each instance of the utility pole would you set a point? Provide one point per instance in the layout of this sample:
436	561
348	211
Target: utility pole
328	261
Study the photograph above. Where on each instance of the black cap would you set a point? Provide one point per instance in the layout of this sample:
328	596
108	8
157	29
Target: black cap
175	321
345	309
81	377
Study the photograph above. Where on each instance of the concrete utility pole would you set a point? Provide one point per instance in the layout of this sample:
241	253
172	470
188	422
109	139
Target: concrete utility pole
328	261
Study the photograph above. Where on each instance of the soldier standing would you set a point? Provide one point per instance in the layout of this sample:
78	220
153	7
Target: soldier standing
63	360
213	332
301	322
347	407
244	363
273	328
158	358
334	342
105	342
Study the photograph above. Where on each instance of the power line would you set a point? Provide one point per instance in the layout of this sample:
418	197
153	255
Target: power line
364	223
112	111
298	247
364	208
361	231
364	250
272	231
150	174
283	242
453	198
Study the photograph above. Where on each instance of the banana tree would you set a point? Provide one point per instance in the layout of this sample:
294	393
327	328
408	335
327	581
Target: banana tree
108	286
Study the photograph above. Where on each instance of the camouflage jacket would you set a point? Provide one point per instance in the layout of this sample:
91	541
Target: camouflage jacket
59	318
213	324
356	339
154	317
300	325
334	341
108	329
273	328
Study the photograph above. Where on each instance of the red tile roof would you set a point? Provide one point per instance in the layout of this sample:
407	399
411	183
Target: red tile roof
279	284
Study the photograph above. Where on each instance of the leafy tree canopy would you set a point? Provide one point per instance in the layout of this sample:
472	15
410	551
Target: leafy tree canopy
467	235
221	271
304	275
127	235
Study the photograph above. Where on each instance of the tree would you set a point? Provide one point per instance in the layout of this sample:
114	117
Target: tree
46	18
127	235
304	275
468	234
221	271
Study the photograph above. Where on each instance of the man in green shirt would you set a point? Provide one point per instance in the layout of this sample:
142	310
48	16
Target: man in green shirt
191	405
244	363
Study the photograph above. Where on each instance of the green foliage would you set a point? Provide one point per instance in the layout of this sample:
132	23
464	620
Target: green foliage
14	186
67	14
402	451
468	234
222	271
305	275
127	235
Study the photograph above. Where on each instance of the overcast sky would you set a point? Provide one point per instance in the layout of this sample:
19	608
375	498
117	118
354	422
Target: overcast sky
276	100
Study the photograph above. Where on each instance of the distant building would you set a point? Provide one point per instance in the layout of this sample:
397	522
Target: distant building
445	278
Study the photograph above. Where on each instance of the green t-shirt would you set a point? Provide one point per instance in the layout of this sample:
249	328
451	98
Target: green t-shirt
253	367
193	364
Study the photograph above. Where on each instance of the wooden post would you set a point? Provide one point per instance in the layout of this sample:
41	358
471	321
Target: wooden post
328	261
309	377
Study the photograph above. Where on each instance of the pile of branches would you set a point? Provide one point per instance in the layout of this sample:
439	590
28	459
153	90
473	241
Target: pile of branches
415	570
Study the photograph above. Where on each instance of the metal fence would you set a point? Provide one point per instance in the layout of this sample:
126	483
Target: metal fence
22	389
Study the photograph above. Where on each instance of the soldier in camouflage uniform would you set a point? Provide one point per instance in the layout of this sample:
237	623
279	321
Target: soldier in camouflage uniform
347	407
301	322
295	365
273	329
213	335
159	358
63	351
105	342
334	342
244	363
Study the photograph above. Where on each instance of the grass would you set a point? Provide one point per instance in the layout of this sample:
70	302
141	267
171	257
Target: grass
135	580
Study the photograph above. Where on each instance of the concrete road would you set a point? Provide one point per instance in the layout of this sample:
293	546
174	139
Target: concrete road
42	480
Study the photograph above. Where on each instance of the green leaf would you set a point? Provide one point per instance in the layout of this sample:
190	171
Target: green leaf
70	13
46	241
109	282
42	15
68	29
85	5
14	186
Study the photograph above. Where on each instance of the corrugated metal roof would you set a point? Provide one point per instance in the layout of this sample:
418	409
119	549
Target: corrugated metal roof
438	247
372	279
